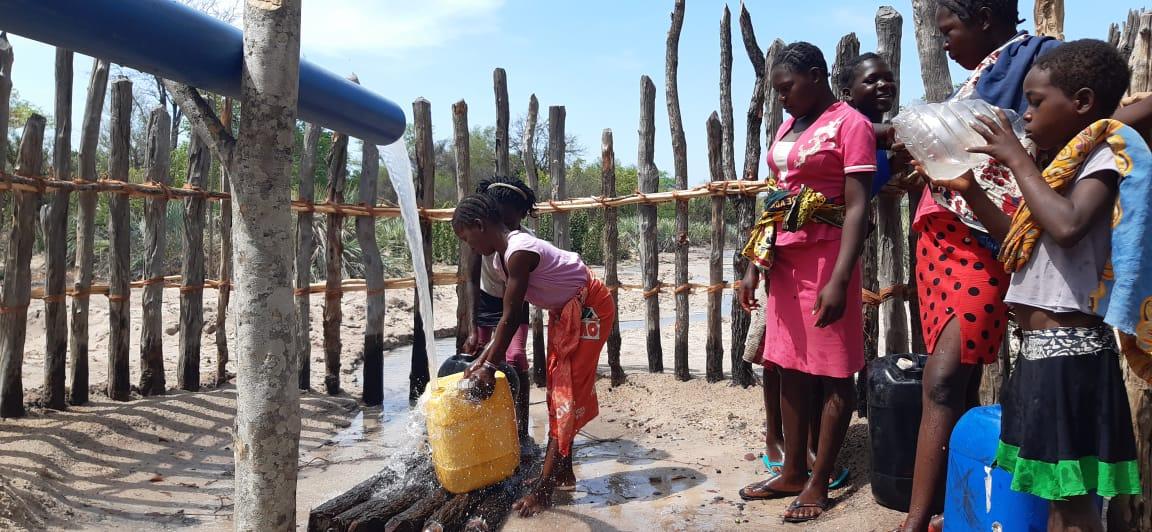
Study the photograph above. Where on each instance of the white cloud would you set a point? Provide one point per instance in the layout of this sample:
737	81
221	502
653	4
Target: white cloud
389	27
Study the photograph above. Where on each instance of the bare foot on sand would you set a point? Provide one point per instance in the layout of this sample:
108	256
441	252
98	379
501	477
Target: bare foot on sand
538	500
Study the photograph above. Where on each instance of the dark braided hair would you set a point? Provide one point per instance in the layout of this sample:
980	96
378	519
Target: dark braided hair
1006	11
848	73
476	207
525	203
801	56
1088	64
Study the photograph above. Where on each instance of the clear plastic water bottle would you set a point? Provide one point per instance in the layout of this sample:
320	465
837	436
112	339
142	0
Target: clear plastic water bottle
938	135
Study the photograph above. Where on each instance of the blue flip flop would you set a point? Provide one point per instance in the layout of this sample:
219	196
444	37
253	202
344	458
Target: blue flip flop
773	467
840	479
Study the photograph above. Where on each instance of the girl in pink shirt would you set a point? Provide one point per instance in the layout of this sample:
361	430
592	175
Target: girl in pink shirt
581	312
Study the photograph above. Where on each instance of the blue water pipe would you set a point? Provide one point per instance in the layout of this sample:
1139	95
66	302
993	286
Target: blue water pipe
175	42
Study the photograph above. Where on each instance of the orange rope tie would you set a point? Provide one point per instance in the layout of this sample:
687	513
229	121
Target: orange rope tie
684	288
54	298
330	295
718	287
648	294
13	310
301	292
376	292
118	298
150	282
79	294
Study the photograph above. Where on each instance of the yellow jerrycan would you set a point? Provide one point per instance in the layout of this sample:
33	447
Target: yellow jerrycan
474	443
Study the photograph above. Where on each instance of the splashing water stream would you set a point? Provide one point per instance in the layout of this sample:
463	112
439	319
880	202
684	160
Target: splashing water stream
399	166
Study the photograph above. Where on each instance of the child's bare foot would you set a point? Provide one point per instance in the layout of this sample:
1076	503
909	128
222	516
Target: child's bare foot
539	499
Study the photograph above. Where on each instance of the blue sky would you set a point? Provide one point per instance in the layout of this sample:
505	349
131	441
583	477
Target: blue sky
587	56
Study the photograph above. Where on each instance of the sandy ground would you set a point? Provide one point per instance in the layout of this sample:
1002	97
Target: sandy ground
662	455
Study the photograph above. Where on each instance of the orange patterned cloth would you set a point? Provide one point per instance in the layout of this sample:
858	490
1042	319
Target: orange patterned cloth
576	335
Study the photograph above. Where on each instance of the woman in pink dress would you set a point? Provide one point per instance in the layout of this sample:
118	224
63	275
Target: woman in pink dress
806	248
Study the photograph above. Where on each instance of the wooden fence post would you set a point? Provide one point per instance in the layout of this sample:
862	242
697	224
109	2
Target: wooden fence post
85	228
649	251
373	380
1138	61
463	151
715	345
425	178
746	206
846	49
727	128
561	232
680	167
334	263
223	294
55	239
611	250
539	346
120	246
192	266
157	161
500	87
305	247
5	107
16	287
1049	15
890	236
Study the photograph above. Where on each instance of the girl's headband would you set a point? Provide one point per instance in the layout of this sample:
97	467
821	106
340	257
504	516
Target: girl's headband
509	187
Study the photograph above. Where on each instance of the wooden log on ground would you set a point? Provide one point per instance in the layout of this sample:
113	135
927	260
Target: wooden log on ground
1049	16
16	287
157	162
85	228
500	87
412	519
223	295
305	247
425	179
461	145
375	513
192	267
649	179
120	247
322	518
493	510
745	207
611	250
714	347
334	264
890	236
55	240
561	232
452	514
680	169
528	154
373	376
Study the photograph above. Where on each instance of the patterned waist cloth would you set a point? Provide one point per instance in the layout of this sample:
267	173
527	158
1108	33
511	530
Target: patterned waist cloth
1067	341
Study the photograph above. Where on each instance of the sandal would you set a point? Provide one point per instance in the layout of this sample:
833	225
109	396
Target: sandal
797	505
768	493
773	467
841	480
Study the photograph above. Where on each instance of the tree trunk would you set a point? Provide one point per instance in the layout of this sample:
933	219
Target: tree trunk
539	346
1138	62
425	178
267	432
374	277
157	162
715	345
1049	15
334	264
306	246
611	250
16	287
500	87
891	238
85	228
192	267
224	293
55	240
746	206
561	232
726	120
649	179
120	246
462	148
680	167
930	45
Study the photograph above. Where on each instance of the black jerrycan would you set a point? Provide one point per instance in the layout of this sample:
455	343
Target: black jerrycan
894	408
460	362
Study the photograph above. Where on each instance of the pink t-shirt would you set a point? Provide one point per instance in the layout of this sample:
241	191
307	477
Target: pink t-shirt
840	142
557	278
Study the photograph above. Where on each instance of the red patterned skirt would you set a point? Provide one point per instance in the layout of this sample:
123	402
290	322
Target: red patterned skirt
958	277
